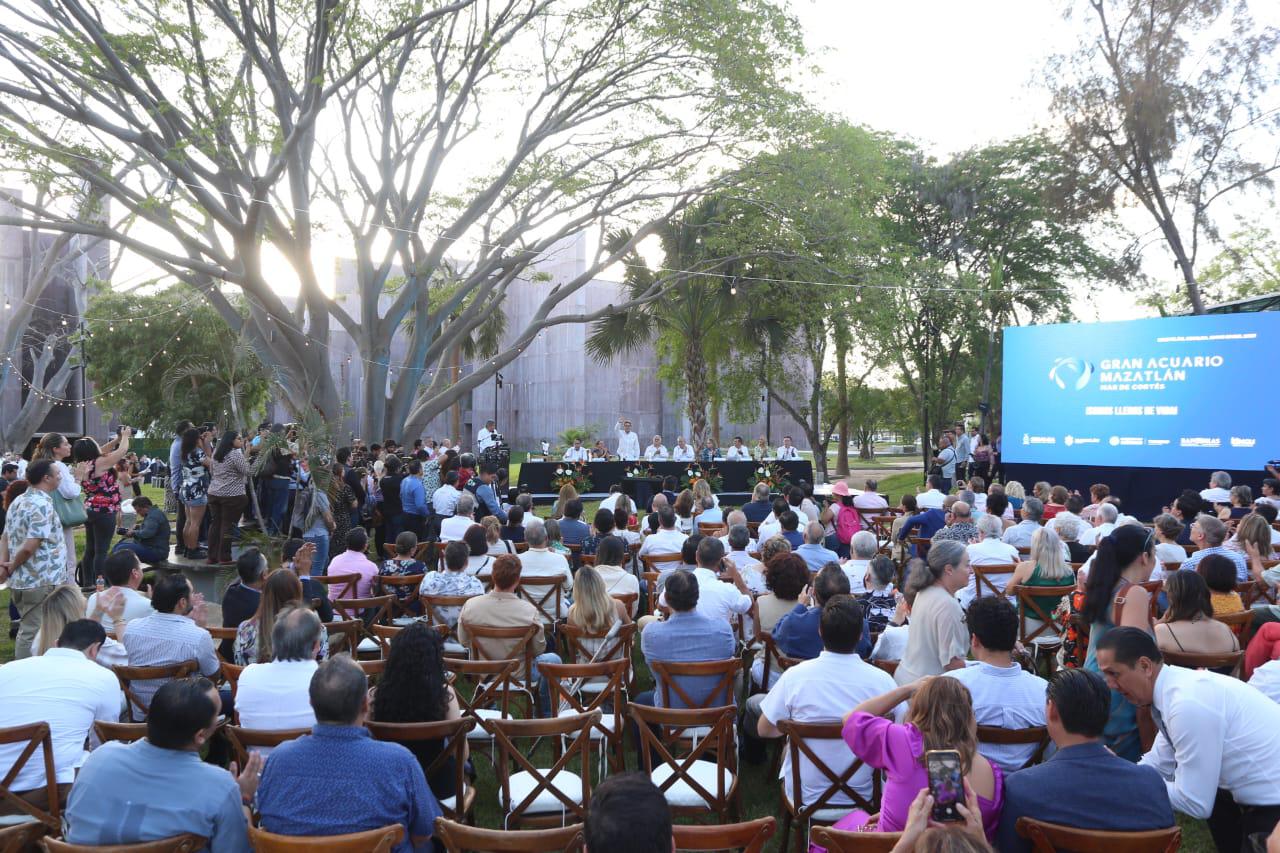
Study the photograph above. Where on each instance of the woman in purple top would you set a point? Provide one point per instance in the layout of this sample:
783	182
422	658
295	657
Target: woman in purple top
941	717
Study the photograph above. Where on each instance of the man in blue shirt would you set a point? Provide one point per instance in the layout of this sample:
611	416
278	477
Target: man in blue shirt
1083	785
413	501
686	635
338	779
759	507
158	787
487	496
926	523
813	552
573	530
796	633
790	522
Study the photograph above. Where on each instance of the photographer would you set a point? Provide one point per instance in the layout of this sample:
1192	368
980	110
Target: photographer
149	538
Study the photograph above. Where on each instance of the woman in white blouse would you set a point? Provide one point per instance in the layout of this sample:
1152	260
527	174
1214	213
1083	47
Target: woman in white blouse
54	445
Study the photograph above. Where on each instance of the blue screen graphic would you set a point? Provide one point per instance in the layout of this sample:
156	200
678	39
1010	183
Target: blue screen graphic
1175	392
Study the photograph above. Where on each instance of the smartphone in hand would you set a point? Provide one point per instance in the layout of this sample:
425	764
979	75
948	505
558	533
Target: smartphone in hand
946	784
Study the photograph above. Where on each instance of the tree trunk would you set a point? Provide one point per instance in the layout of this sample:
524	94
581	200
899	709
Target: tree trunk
456	412
842	400
715	420
373	416
696	391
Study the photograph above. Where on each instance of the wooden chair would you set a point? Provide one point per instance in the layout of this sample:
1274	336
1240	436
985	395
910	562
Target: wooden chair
618	647
754	527
349	630
373	669
774	661
652	562
691	785
123	732
127	675
20	837
982	578
1191	660
375	610
651	582
882	527
569	683
452	735
521	547
1253	592
185	843
389	550
839	783
711	528
1239	623
337	585
547	796
1045	636
922	546
1171	567
381	840
1051	837
1153	589
459	838
546	594
490	686
518	641
231	675
840	841
32	736
384	634
243	740
750	836
1038	735
630	600
667	675
221	635
889	666
402	607
435	611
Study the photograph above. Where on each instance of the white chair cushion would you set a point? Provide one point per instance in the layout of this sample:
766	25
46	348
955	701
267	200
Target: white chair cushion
368	645
522	783
404	621
682	794
454	648
16	819
448	805
606	721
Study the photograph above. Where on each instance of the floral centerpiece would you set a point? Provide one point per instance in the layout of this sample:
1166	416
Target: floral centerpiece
638	471
695	471
574	474
771	474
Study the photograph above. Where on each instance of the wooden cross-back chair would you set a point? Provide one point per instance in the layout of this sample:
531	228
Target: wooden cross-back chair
1252	592
1153	589
452	734
349	630
231	675
384	634
367	612
373	669
667	675
1038	735
546	594
568	684
129	675
436	610
381	840
185	843
1191	660
841	841
651	582
922	546
459	838
630	600
123	732
982	582
889	666
691	782
545	796
337	585
1050	837
220	636
1046	631
712	528
1239	623
882	527
749	836
517	642
243	740
774	661
21	837
485	690
653	561
403	607
826	809
610	649
34	736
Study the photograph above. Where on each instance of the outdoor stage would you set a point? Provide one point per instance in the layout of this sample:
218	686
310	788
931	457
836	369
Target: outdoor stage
535	477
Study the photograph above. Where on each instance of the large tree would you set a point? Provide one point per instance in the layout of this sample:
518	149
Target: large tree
1165	98
479	133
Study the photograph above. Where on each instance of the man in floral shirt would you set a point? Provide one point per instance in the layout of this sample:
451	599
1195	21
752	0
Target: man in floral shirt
31	551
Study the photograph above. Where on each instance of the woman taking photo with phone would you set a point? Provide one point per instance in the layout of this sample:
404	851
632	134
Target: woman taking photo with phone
101	499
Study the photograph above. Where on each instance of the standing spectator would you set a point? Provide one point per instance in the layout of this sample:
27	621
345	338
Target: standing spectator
413	501
313	515
273	695
353	561
486	493
173	634
229	471
55	446
342	505
31	551
174	482
946	461
939	640
149	537
101	499
193	489
277	478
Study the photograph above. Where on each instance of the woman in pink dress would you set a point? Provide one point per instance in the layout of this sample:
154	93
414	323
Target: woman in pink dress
941	717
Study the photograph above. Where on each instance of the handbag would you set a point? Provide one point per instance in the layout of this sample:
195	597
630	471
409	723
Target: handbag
71	511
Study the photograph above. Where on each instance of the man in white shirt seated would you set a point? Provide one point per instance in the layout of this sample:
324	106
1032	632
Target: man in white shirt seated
651	522
487	437
1104	521
667	540
771	526
1004	694
1219	491
737	518
988	551
124	572
1216	745
739	452
274	696
628	441
575	453
717	599
862	549
611	502
65	688
739	538
541	565
682	452
933	497
656	452
786	452
444	500
452	529
1019	536
824	688
813	552
869	498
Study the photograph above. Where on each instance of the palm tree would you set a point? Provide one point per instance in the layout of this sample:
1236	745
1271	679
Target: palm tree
690	320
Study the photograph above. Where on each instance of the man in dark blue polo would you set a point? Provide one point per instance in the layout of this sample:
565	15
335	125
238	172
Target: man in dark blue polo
573	530
926	523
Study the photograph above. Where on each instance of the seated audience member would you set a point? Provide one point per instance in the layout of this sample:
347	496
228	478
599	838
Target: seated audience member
149	538
1188	625
1209	533
939	640
573	530
879	602
298	557
1220	578
513	530
253	637
403	564
891	645
601	526
790	523
382	781
555	542
65	688
173	634
932	497
1019	536
1240	506
628	814
1168	531
1219	491
1216	744
926	522
1098	493
240	601
503	608
611	559
989	551
454	527
212	802
683	506
493	536
1004	694
1255	528
596	612
785	576
998	505
1082	785
353	561
667	540
940	717
273	696
479	561
760	506
542	565
870	498
124	573
414	689
1044	568
960	527
624	520
1270	492
863	548
796	633
812	551
717	599
1057	502
444	500
1068	530
822	689
454	580
739	545
772	525
686	635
